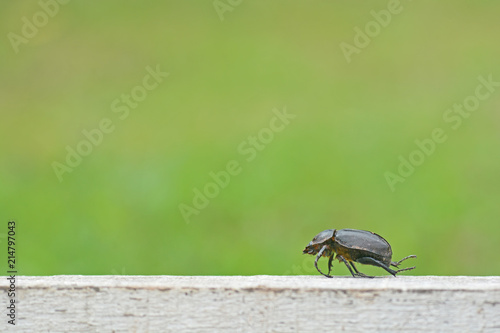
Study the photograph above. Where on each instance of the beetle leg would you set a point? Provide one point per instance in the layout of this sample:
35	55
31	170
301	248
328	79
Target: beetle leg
345	262
396	263
316	261
375	262
358	273
330	264
405	269
354	267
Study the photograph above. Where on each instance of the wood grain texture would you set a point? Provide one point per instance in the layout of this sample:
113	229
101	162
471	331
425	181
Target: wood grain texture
254	304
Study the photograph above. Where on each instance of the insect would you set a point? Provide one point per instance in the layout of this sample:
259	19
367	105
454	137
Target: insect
351	245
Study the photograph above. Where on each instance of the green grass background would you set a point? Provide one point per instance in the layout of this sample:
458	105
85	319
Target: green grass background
117	212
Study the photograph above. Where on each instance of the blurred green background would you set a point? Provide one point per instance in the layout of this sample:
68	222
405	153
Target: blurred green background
118	211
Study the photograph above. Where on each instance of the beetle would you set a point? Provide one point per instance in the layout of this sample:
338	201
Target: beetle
351	245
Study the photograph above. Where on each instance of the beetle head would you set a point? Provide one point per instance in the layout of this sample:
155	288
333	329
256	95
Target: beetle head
323	238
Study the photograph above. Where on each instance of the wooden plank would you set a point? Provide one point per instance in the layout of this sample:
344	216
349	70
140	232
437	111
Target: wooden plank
254	304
